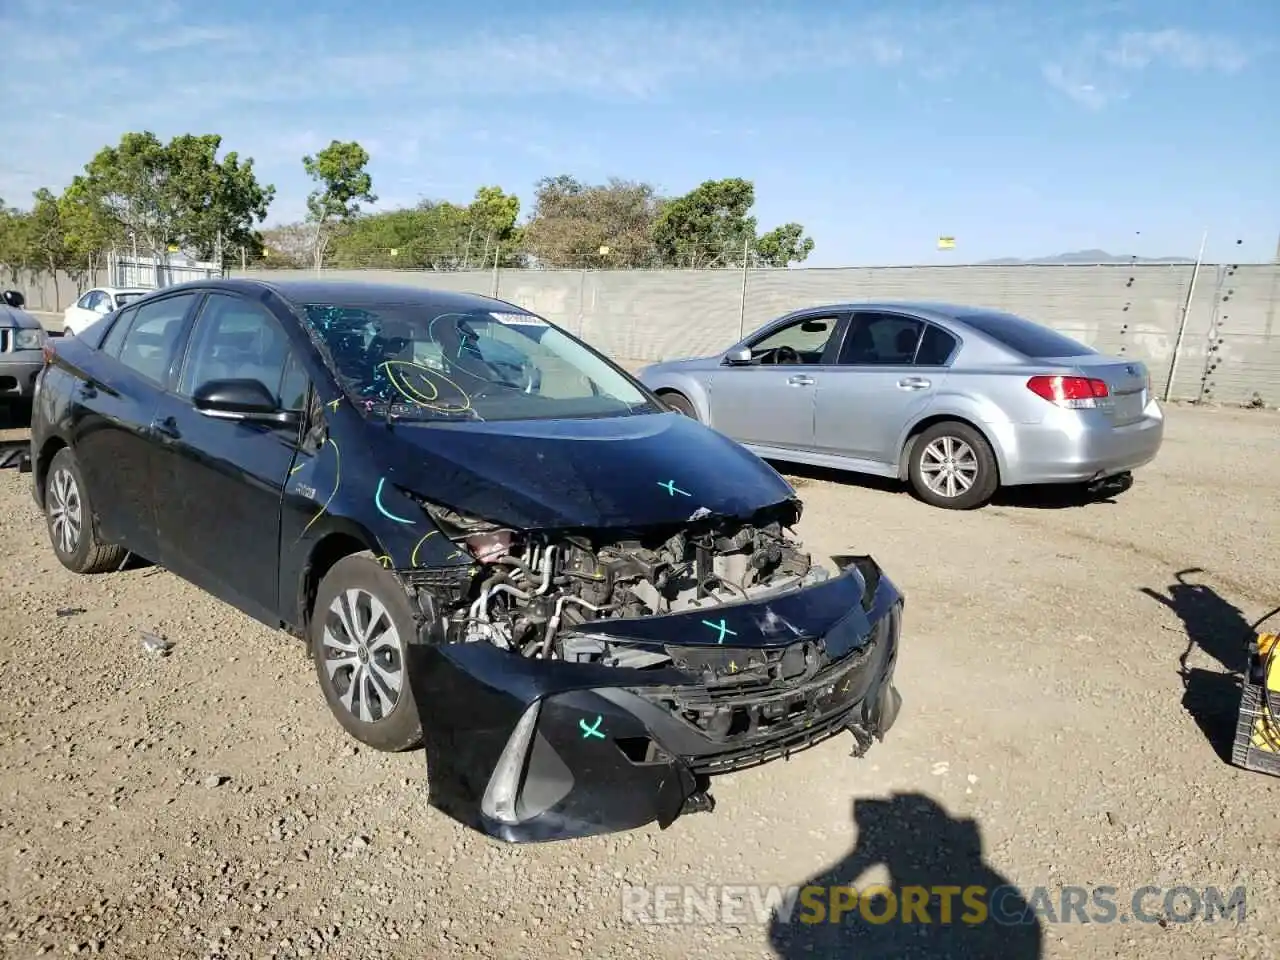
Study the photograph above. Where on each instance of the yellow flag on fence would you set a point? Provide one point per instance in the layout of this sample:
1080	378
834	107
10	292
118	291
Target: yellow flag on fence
946	243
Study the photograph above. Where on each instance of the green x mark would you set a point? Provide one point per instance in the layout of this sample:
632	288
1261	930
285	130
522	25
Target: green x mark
722	627
591	731
671	488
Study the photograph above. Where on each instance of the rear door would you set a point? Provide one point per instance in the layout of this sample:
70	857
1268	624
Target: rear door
113	407
864	406
770	402
219	482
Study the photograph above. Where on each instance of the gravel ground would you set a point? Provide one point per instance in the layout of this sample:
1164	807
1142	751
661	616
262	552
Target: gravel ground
205	804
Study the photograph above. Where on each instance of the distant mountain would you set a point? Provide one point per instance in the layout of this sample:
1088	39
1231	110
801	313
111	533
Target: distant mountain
1085	256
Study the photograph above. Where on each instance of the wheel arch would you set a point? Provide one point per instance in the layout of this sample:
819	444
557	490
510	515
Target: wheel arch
340	541
933	419
40	469
692	390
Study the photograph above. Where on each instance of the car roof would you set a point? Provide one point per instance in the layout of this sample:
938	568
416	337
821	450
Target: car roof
355	293
115	290
954	311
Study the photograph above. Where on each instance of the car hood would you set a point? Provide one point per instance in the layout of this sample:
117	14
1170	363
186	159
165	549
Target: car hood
634	471
11	317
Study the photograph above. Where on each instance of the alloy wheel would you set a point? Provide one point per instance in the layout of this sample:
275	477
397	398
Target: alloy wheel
949	467
66	517
363	654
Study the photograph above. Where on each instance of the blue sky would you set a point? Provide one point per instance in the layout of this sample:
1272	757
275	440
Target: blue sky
1020	128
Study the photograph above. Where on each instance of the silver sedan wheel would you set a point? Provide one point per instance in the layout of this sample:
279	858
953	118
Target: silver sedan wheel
363	655
66	516
949	466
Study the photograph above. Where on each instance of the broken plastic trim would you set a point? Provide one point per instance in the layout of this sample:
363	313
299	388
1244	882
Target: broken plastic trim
503	789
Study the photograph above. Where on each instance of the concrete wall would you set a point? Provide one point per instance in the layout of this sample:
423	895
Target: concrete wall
1230	349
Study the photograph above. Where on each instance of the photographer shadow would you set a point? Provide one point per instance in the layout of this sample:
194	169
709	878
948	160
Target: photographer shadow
1218	628
922	847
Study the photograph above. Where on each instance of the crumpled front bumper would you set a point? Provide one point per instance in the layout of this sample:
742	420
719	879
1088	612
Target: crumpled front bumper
536	750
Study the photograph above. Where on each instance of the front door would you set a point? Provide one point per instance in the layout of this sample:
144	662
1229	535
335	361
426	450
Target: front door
769	402
219	483
878	388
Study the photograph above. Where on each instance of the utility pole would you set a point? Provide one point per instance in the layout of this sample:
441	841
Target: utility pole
1186	313
742	305
496	250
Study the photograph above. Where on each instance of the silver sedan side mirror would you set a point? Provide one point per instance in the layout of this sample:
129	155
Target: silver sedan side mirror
738	355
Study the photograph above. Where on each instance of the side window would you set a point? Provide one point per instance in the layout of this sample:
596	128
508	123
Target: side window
89	300
935	347
238	340
881	339
150	340
801	342
115	336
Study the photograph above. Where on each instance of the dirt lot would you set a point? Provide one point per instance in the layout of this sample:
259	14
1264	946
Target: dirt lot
205	803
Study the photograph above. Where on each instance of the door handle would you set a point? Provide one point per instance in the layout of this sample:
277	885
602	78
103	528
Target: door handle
913	383
168	427
800	380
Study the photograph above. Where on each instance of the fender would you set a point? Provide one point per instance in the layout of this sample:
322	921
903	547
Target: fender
696	391
984	416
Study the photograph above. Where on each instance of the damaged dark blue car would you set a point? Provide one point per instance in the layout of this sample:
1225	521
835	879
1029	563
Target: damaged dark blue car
496	543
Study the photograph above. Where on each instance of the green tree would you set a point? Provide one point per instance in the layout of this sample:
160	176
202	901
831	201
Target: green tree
88	230
15	244
47	239
154	194
572	222
217	201
342	184
492	215
710	226
783	246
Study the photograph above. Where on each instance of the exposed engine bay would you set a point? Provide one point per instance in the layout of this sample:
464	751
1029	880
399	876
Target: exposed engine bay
533	589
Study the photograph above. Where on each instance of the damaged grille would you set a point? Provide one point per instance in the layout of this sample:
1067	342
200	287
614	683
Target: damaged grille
762	700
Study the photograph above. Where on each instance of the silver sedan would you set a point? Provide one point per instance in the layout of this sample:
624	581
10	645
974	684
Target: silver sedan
957	400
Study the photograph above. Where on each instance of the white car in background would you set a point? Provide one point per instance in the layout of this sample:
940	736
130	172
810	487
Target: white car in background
96	304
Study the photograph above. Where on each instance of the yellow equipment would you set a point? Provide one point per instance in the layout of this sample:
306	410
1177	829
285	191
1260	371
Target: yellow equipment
1257	741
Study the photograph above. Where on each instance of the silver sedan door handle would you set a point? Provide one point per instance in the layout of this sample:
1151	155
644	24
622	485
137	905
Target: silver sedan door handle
913	383
800	380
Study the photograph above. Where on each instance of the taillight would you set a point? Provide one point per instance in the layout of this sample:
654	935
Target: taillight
1080	393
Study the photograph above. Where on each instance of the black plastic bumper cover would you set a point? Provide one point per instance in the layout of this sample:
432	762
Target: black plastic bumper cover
536	750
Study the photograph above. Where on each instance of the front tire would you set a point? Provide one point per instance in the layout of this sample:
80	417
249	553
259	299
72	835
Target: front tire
69	515
680	403
952	466
361	627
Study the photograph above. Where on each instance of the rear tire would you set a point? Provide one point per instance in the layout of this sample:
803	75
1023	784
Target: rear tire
680	403
361	627
952	466
68	512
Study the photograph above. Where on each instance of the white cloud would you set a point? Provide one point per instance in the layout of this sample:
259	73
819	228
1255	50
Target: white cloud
1191	51
1098	70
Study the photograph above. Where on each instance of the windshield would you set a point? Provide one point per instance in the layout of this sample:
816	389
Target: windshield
397	360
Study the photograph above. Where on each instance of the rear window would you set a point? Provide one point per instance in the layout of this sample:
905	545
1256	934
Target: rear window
1024	336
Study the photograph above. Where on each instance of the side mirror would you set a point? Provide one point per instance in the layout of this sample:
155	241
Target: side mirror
241	400
14	299
738	356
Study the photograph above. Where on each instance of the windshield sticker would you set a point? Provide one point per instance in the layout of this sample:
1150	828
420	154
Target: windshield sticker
519	320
